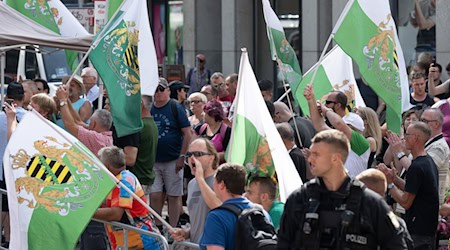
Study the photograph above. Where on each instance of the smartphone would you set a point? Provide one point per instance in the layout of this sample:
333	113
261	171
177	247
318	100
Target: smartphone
10	101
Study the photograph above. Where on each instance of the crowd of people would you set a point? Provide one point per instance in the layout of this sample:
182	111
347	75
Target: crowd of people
364	185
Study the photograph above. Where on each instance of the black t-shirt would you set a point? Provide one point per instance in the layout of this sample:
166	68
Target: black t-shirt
422	180
300	163
427	102
305	129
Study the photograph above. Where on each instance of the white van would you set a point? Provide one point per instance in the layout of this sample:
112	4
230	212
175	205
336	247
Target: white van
32	62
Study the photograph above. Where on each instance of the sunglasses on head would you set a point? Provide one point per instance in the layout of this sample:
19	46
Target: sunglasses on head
161	88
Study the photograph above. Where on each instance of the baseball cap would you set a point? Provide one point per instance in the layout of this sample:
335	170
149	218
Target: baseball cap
163	83
175	85
354	120
15	90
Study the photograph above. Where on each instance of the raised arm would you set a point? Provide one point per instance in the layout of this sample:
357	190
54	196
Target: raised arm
68	120
316	117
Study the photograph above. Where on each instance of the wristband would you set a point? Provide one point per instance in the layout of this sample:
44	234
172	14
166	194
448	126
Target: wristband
400	155
390	186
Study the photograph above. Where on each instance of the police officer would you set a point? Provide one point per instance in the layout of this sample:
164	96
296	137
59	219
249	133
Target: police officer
334	211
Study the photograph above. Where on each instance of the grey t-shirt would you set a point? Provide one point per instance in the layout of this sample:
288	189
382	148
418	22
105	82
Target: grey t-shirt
198	210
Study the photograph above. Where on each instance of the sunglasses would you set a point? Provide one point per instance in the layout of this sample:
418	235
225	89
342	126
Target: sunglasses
218	85
200	60
161	88
330	102
194	153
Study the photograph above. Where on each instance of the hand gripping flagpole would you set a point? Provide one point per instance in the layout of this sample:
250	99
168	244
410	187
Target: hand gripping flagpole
96	41
118	183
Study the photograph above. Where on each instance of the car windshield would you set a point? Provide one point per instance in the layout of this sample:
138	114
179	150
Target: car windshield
55	64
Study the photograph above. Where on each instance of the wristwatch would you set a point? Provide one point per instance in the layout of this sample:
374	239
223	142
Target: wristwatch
390	186
62	103
400	155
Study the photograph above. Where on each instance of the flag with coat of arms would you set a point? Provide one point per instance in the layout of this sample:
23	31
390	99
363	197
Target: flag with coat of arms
54	183
124	56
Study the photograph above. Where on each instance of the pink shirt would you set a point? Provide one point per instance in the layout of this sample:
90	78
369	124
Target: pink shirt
94	140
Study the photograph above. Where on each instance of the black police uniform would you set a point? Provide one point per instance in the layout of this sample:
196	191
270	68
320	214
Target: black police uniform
353	217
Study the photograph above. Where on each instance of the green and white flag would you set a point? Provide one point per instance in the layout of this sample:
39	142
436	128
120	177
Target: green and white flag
54	185
281	50
255	141
335	72
125	58
367	33
54	16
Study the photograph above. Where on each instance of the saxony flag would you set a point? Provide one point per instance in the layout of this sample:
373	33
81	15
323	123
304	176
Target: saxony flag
281	50
335	72
255	141
55	184
54	16
367	33
125	58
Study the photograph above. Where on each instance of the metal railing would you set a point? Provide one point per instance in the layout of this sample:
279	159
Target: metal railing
126	228
161	240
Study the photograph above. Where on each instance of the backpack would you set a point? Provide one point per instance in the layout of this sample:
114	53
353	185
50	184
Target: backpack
252	229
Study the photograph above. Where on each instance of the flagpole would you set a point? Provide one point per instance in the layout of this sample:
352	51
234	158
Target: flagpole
285	91
96	41
238	93
100	165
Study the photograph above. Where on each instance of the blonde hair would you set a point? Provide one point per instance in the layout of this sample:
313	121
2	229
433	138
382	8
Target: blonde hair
372	128
374	179
199	95
45	103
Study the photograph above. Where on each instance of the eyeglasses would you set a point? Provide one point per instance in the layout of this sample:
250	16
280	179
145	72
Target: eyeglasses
161	89
188	155
200	60
406	134
195	101
426	121
330	102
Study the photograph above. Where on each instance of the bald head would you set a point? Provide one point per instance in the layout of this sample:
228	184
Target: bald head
282	112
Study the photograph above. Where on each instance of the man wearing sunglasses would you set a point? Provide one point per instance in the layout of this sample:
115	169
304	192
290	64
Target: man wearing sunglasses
203	160
174	136
198	76
223	96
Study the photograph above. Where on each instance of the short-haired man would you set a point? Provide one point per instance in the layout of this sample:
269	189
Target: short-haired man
173	140
218	83
96	135
203	161
287	135
419	97
351	125
121	206
231	83
419	192
266	88
198	76
229	185
333	211
263	191
337	101
209	92
90	77
304	130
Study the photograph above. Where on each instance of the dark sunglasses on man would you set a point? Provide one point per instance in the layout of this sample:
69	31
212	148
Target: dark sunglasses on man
188	155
